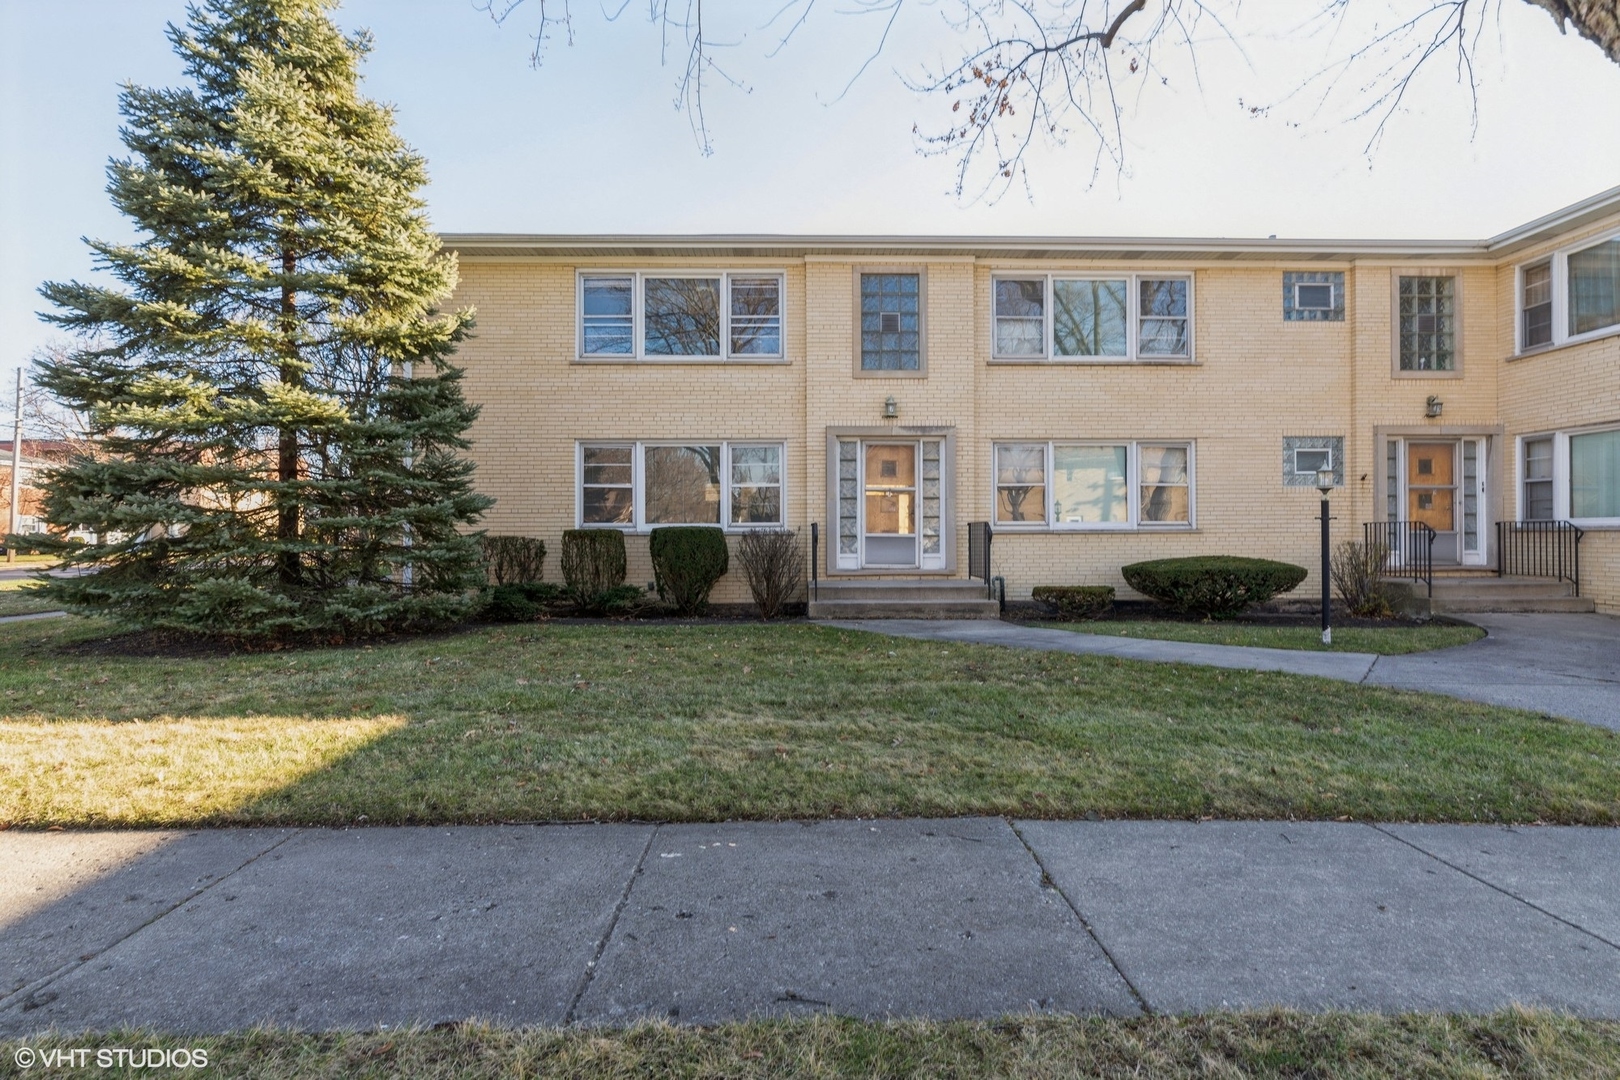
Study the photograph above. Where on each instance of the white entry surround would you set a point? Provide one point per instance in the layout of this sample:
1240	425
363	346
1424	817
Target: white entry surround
890	501
1441	476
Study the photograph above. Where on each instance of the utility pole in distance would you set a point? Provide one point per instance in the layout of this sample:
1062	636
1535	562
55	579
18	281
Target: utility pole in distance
16	472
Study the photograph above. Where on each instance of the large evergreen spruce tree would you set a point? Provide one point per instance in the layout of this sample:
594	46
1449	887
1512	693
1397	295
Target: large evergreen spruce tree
271	376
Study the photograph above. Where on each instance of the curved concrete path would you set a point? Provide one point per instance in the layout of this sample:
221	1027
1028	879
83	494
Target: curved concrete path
1560	665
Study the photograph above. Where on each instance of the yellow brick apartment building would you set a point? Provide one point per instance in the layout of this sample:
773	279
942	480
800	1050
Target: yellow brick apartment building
1096	401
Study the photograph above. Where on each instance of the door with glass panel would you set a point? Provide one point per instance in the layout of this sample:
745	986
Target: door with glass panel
1441	483
890	502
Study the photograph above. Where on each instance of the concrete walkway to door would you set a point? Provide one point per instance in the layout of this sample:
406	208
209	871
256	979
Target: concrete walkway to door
1560	665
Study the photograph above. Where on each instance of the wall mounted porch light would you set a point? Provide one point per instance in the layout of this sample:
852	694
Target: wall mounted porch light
1433	406
891	409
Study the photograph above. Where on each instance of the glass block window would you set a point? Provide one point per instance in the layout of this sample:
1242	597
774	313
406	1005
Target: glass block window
1303	455
1313	296
891	322
1428	323
932	537
849	494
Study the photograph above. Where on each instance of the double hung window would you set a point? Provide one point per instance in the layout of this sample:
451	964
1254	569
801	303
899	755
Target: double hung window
673	315
1092	317
1094	485
641	485
1571	475
1570	296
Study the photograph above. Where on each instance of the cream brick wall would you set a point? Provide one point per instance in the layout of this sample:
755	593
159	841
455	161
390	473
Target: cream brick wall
1254	379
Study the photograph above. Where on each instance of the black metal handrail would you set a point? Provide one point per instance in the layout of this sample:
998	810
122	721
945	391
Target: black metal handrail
1540	549
815	558
1408	548
979	536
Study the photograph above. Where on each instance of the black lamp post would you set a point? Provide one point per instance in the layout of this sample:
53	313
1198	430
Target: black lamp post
1324	484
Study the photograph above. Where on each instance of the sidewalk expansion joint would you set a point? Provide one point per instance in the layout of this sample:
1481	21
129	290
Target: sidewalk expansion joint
1492	885
607	934
1141	1001
26	993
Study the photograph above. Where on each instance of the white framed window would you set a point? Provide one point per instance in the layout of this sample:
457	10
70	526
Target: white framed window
1096	317
1571	475
1309	460
675	315
638	486
1093	485
1570	296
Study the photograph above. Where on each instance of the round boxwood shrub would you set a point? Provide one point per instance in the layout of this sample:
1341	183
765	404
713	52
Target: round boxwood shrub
1075	601
1213	586
687	561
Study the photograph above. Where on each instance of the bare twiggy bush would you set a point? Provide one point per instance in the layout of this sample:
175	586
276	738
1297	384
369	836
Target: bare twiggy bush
774	565
1357	570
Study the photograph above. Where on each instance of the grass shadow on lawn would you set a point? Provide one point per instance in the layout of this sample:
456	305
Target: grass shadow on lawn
745	721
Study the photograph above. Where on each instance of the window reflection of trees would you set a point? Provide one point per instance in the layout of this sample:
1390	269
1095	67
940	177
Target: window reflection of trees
683	485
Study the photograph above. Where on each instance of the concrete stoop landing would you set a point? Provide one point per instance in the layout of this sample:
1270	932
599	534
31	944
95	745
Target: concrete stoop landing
1482	591
903	598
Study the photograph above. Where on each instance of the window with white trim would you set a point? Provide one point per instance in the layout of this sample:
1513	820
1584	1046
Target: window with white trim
641	485
1571	295
679	314
1091	317
1571	475
1088	485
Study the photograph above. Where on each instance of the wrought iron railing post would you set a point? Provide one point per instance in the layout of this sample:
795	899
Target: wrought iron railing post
1540	548
815	559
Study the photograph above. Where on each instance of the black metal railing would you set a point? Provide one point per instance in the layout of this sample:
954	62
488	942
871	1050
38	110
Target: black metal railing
1408	548
1540	549
979	536
815	558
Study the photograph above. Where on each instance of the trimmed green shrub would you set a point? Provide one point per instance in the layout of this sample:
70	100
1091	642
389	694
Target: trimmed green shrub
513	560
1075	601
521	603
592	564
1214	586
687	561
507	603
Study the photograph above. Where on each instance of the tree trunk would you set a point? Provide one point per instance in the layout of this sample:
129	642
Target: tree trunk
1597	21
287	459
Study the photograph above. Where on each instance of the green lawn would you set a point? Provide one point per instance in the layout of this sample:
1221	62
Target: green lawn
16	598
1386	641
1279	1044
713	722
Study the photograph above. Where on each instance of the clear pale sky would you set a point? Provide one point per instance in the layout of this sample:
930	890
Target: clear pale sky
592	142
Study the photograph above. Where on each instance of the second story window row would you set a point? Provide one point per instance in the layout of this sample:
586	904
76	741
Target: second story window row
1092	317
673	315
1570	295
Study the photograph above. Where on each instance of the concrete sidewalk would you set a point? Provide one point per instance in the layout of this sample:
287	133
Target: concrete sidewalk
604	924
1560	665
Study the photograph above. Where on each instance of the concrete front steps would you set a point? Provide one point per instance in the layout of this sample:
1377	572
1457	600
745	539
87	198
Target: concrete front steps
1464	593
903	598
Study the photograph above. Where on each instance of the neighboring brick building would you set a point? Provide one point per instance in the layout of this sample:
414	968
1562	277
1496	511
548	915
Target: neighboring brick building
37	454
1099	401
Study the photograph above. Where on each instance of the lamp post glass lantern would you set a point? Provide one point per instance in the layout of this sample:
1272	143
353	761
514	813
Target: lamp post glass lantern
1324	484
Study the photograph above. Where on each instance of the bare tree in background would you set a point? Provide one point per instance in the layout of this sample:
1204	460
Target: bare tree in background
1047	72
47	420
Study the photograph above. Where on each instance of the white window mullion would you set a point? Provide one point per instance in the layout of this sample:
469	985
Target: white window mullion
1133	473
1561	476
